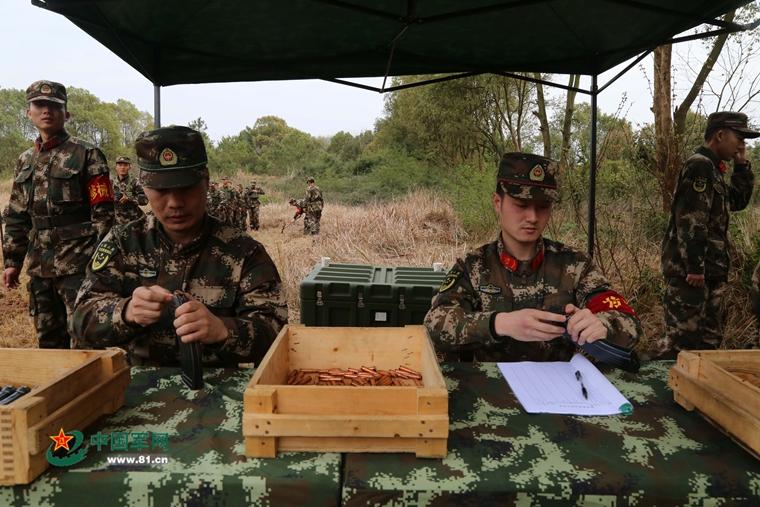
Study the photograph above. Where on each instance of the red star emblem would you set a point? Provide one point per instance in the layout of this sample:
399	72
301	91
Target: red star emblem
61	440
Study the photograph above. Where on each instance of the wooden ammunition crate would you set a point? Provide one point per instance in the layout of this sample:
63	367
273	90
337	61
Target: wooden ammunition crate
70	390
724	387
280	417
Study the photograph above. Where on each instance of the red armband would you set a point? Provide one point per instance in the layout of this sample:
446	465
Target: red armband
100	190
609	300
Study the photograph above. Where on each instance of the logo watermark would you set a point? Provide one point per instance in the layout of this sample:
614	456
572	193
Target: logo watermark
71	448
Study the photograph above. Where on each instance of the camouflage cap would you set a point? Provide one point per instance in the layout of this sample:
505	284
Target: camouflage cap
171	157
528	176
46	90
309	180
123	160
732	120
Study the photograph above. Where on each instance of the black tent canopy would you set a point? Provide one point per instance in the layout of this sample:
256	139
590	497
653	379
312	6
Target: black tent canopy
200	41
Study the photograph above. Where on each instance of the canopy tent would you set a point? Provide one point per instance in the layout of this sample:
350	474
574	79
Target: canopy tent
200	41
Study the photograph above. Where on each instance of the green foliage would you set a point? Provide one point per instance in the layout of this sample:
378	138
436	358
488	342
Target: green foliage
111	126
470	192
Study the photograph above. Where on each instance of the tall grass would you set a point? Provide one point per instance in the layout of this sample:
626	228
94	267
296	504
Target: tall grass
422	228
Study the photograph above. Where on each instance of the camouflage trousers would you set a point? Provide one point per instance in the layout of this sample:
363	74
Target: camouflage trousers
253	217
311	222
694	316
51	303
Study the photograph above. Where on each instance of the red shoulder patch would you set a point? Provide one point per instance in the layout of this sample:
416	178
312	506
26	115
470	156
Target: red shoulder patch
99	189
607	301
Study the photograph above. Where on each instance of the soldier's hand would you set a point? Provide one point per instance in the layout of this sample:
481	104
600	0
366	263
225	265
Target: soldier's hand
695	280
195	322
10	278
146	305
583	326
740	158
530	325
124	199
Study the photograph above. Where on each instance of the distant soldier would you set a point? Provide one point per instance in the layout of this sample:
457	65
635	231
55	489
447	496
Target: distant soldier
128	194
61	204
254	204
212	199
236	306
241	208
695	250
226	201
313	206
514	298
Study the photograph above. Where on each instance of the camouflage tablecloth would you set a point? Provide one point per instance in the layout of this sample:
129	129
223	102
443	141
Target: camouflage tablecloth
199	433
500	455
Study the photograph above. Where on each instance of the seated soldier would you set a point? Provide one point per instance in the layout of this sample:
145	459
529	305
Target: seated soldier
235	306
511	299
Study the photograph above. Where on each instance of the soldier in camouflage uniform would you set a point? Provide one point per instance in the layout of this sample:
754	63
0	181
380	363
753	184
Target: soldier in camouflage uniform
253	204
212	199
241	207
128	194
511	299
236	307
226	198
314	204
61	205
695	249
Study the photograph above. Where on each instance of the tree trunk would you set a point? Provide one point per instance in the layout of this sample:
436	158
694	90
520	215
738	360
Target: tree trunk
670	124
663	122
567	124
542	118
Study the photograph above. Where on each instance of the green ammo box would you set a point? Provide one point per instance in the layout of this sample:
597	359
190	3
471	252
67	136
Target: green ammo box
359	295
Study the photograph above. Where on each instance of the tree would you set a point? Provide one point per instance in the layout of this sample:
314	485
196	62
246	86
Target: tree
671	125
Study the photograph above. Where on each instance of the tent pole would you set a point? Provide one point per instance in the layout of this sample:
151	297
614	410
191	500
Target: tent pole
592	172
156	106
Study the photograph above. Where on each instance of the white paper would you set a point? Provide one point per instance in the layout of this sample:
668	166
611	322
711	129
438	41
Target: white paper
552	388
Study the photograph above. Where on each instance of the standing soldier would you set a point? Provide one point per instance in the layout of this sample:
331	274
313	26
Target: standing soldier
128	194
225	201
212	199
514	298
254	204
695	259
235	304
314	205
61	205
240	207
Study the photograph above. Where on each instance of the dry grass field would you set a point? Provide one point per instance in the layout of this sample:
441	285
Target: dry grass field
418	230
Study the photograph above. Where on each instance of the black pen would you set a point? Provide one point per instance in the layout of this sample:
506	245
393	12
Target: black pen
583	388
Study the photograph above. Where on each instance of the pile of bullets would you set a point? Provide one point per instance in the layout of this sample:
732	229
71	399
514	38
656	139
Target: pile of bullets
9	394
363	376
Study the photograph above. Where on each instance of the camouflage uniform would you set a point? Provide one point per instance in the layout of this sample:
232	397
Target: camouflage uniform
226	204
61	205
696	242
254	204
490	280
241	207
131	188
313	208
212	200
223	268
